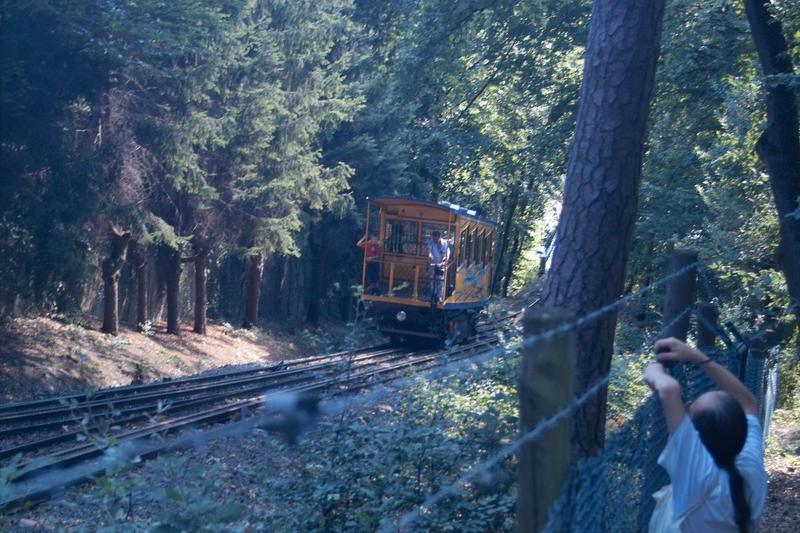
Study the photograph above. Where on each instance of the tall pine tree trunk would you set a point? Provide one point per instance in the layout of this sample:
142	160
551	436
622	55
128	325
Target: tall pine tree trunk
316	285
112	266
139	261
779	144
169	265
253	292
596	226
502	246
515	250
200	288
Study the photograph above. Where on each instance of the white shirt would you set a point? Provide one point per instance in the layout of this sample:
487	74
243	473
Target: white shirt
695	477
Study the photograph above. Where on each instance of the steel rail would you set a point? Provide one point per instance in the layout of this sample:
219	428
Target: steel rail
171	408
113	391
68	405
355	380
103	405
10	407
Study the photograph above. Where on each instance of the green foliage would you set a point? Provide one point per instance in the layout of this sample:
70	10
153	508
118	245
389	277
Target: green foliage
199	120
475	107
366	468
257	127
703	186
192	506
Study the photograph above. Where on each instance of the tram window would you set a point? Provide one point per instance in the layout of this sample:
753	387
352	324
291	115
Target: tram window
475	242
374	222
400	237
462	246
468	252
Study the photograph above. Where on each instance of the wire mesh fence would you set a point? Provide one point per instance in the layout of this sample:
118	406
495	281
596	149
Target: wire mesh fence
613	490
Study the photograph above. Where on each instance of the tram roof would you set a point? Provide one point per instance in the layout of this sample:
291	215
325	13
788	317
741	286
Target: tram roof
443	205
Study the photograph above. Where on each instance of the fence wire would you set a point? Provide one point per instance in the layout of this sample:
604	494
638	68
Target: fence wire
613	490
591	316
460	485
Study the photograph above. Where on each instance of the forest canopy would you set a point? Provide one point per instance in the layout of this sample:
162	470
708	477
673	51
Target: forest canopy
242	137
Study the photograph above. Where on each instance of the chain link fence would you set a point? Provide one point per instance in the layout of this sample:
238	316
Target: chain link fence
613	490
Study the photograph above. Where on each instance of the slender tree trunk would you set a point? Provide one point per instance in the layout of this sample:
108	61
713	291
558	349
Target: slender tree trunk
254	264
596	226
779	144
169	262
502	245
139	261
200	288
511	262
112	266
316	283
10	303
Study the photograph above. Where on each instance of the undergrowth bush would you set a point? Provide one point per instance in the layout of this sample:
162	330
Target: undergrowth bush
368	466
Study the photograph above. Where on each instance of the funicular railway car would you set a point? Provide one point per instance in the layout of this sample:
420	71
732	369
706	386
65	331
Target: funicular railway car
413	295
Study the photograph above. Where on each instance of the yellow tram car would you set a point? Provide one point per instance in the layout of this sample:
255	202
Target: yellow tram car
411	296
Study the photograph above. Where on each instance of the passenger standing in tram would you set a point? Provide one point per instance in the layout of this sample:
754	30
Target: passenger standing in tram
438	256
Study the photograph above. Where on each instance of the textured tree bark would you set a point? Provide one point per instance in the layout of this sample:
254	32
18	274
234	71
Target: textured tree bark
316	283
112	266
779	144
169	264
596	226
502	245
515	250
254	263
139	260
200	288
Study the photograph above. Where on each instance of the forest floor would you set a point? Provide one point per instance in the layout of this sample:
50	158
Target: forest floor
782	460
45	356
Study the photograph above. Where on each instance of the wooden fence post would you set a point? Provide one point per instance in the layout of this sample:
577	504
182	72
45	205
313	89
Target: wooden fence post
706	335
680	293
755	365
545	387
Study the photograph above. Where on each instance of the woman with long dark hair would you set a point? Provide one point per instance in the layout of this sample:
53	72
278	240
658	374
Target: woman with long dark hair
714	456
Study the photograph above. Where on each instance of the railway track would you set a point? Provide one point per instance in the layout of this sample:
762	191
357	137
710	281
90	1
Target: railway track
41	438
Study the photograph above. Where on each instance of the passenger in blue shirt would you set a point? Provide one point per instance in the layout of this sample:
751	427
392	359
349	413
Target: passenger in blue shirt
438	256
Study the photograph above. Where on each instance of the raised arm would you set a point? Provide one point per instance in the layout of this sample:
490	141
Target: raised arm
672	349
669	394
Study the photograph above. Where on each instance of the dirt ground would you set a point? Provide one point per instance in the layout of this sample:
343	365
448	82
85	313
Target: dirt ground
782	460
44	356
